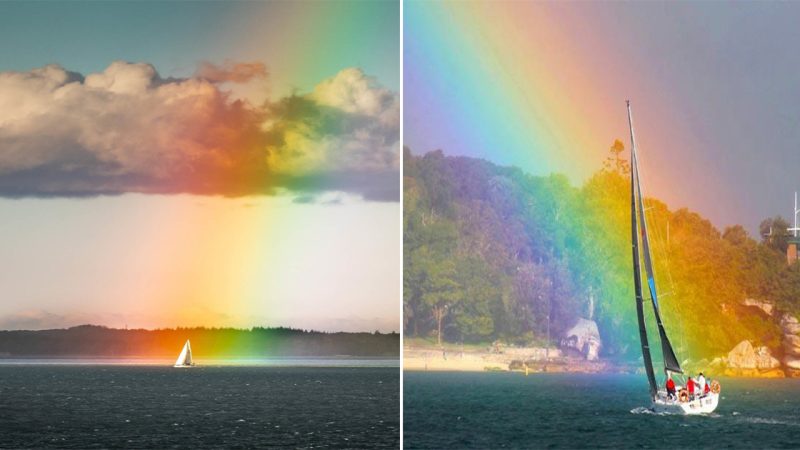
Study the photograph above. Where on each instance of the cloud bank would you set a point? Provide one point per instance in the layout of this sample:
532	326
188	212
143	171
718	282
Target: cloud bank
127	129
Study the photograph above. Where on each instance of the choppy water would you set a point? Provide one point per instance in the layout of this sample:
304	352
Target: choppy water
509	410
140	406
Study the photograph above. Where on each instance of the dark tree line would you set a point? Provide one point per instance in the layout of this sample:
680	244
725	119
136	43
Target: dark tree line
96	341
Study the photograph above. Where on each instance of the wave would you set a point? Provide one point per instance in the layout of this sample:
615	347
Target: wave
765	421
644	410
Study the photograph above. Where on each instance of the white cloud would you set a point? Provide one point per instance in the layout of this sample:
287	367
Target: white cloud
126	129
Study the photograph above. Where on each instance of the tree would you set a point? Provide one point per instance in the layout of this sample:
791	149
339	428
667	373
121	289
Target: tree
774	233
440	292
736	235
615	162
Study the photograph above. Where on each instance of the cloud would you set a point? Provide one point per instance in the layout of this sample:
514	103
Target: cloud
126	129
231	71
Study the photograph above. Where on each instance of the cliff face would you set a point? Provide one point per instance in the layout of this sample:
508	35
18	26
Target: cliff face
791	344
746	359
746	356
584	339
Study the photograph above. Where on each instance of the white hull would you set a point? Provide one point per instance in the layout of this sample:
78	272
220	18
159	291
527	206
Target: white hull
705	404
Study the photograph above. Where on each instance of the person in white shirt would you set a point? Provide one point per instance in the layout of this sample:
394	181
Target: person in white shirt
701	383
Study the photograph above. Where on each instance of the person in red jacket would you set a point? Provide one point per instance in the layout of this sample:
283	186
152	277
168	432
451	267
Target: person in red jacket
670	387
690	386
708	387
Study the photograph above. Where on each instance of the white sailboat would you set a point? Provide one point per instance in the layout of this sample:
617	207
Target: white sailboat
185	358
681	402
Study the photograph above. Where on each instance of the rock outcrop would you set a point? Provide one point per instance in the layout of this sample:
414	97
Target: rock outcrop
791	344
745	356
765	306
745	360
583	338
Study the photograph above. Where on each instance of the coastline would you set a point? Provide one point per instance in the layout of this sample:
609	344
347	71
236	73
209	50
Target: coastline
418	358
422	359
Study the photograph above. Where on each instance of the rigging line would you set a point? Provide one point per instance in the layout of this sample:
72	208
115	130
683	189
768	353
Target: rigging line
661	245
668	353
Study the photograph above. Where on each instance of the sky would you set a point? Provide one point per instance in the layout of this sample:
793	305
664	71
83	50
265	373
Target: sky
216	164
714	89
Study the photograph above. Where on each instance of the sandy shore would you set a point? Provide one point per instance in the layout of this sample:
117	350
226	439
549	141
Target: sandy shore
454	361
432	359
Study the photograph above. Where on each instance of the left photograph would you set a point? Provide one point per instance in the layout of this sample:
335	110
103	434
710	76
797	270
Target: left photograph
199	209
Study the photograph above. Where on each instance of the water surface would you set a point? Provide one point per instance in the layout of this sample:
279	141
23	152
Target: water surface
510	410
148	406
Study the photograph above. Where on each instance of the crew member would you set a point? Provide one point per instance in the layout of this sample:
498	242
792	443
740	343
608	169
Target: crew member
670	387
690	386
701	384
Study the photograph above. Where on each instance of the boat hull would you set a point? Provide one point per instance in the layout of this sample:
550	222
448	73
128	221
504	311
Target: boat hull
705	404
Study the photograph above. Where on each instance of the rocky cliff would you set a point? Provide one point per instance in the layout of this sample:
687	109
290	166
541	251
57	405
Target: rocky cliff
583	338
744	360
791	344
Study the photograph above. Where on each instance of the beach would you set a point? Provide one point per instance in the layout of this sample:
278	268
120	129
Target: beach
453	358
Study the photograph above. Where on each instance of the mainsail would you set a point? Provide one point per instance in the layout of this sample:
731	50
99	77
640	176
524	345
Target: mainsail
185	358
670	360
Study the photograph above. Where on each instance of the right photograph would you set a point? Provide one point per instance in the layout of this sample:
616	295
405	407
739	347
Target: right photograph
600	225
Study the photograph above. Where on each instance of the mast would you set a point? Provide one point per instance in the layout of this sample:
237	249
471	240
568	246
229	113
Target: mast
637	275
794	229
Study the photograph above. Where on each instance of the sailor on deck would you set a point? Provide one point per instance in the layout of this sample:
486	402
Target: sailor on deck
701	383
670	387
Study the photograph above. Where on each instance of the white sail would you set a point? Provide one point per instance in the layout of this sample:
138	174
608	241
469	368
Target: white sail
185	358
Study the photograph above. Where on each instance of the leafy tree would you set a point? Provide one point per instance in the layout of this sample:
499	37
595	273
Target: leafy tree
440	292
774	233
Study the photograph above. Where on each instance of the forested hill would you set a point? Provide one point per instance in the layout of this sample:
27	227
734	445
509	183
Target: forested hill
95	341
490	250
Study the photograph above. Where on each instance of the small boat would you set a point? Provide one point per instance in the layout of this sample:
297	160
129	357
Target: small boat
681	402
185	358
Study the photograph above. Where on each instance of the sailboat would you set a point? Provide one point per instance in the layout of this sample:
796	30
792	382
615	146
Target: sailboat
681	402
185	358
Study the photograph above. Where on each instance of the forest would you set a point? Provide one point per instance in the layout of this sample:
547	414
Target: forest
230	343
492	253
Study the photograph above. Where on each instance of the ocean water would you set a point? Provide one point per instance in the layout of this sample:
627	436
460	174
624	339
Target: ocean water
510	410
94	405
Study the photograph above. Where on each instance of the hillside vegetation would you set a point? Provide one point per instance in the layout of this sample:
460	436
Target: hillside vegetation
490	252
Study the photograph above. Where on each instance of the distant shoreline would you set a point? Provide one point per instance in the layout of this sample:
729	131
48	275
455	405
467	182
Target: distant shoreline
89	341
470	360
418	358
310	362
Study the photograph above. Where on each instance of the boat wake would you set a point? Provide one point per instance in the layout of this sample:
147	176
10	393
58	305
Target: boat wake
765	421
644	410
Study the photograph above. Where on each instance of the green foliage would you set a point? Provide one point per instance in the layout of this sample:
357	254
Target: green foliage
512	255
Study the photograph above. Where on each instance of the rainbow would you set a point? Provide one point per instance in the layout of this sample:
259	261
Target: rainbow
537	85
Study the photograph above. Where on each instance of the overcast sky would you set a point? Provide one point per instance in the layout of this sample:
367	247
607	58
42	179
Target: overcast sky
200	163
